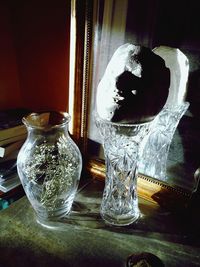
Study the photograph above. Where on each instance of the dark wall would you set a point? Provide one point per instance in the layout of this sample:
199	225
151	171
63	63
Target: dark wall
39	31
10	94
171	23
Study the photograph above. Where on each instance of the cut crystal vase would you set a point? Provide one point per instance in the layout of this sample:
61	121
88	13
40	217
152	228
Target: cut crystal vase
49	165
157	143
121	144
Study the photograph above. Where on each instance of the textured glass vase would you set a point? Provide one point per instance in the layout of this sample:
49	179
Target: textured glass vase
157	144
121	144
49	165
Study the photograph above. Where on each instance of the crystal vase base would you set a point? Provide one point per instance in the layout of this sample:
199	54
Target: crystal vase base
121	220
53	217
48	215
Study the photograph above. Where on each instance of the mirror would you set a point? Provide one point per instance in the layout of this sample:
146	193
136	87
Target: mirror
109	24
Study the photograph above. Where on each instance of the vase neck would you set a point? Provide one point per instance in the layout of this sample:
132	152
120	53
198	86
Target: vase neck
46	121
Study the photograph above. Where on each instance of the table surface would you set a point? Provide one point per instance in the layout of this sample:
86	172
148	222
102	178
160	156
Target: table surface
83	239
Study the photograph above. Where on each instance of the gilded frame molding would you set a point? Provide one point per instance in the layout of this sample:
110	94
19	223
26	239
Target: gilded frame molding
80	76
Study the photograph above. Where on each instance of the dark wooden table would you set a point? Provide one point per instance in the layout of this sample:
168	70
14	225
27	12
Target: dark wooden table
83	239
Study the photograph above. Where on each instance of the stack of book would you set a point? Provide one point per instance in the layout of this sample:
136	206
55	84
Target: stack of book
12	136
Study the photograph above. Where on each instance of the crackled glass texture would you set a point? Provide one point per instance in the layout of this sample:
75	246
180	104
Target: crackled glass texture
157	144
121	144
49	165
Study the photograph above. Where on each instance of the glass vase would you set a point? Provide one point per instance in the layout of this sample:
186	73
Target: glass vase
121	144
157	144
49	165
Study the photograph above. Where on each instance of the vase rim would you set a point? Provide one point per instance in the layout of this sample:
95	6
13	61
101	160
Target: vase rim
46	119
121	124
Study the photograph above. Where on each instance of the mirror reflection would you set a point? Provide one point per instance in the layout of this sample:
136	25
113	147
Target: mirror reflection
171	33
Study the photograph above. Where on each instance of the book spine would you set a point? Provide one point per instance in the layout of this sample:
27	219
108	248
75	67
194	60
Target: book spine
13	139
14	131
5	151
